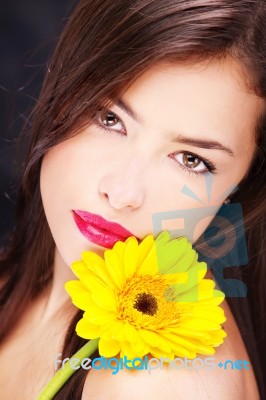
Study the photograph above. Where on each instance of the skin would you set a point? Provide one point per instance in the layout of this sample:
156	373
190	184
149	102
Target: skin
134	169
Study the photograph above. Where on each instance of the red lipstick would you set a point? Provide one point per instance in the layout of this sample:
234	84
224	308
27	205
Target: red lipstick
98	230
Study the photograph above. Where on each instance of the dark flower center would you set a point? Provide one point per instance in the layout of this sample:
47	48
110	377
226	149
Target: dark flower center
146	303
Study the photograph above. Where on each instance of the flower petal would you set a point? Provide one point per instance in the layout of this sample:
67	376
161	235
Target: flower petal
96	265
87	330
149	265
109	348
131	257
104	297
110	330
145	247
115	268
80	296
97	316
149	337
78	267
199	323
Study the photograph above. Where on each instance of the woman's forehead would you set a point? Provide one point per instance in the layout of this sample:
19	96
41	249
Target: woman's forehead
208	98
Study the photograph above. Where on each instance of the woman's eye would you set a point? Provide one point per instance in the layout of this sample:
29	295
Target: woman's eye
190	161
110	121
194	163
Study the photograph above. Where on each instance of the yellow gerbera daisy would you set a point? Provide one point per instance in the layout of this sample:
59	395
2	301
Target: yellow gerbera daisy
148	298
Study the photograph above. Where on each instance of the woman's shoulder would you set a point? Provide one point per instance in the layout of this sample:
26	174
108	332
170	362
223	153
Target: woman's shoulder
226	374
173	383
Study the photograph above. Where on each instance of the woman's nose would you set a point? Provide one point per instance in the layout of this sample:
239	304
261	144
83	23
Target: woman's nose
123	188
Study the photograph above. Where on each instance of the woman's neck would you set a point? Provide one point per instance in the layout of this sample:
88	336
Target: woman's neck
55	296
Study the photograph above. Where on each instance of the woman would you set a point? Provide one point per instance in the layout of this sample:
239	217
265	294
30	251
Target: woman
140	100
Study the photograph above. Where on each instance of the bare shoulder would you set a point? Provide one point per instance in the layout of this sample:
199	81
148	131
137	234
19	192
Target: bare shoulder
201	381
226	374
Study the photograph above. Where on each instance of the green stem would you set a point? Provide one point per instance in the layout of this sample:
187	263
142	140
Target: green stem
66	371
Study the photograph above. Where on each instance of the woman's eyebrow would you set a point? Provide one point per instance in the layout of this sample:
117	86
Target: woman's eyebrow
201	143
128	110
204	144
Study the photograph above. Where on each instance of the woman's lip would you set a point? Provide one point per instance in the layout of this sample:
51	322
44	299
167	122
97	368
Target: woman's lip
98	230
98	221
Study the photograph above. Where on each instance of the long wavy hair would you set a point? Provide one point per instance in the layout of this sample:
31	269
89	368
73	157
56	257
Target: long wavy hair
105	46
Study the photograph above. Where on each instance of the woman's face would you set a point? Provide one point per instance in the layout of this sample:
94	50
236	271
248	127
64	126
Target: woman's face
179	139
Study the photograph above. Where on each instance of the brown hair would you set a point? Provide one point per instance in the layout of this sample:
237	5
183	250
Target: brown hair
104	47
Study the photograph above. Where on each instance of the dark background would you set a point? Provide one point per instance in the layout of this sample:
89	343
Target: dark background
29	30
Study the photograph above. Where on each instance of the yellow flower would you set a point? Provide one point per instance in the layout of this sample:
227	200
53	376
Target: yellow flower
148	298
